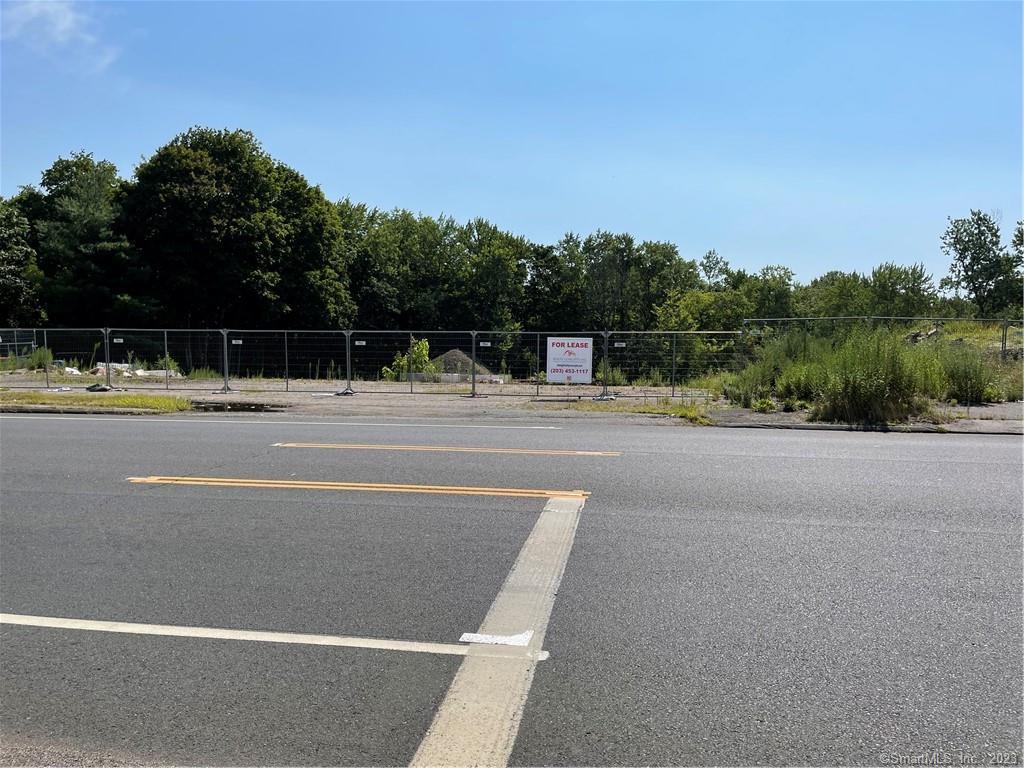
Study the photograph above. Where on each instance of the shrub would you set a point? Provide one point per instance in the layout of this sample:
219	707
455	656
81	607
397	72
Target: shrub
800	381
752	383
40	357
870	380
928	371
715	384
166	363
205	373
991	394
764	405
967	375
416	360
616	377
1010	378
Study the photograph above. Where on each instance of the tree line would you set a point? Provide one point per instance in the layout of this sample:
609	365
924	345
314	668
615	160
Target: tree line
211	231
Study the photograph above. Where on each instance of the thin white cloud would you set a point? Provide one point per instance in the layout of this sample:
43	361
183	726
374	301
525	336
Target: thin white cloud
58	28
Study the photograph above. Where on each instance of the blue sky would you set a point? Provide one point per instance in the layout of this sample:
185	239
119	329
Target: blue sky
817	135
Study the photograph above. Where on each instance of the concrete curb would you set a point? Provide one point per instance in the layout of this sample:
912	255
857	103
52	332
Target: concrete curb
84	410
934	429
950	429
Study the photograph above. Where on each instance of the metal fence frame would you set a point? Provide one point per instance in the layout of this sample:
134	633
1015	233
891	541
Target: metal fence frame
668	355
625	363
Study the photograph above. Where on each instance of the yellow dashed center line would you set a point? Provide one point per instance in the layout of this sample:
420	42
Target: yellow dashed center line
455	490
447	448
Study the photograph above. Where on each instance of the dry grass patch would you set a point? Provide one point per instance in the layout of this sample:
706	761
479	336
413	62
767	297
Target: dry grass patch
693	413
161	403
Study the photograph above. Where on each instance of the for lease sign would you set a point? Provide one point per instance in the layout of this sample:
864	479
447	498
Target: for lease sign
570	360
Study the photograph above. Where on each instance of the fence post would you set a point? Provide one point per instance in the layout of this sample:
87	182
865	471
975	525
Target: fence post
286	361
604	388
167	364
538	364
408	362
47	356
1002	345
106	352
674	337
348	364
224	335
472	365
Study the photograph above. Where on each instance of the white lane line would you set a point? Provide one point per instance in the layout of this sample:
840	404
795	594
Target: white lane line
168	630
477	722
253	422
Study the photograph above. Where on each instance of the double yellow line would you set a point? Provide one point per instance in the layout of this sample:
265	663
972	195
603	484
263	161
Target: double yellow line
451	490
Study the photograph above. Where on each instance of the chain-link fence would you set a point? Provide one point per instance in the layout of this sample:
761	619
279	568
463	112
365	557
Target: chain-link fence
475	363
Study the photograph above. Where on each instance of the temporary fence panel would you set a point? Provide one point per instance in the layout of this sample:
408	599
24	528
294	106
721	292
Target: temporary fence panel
315	360
53	357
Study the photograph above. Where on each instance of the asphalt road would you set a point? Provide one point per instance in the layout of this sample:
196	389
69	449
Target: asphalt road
732	597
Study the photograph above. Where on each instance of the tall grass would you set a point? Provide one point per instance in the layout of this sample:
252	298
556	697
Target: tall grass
40	357
967	374
870	379
714	383
801	380
205	373
873	376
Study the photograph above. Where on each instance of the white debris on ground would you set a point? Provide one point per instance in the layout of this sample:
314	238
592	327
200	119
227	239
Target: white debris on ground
125	371
69	371
157	373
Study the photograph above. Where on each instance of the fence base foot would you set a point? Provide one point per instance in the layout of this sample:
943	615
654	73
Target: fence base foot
222	391
605	397
345	392
475	397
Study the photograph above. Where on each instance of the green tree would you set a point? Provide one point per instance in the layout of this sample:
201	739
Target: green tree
556	286
89	272
609	260
234	238
722	310
898	291
770	291
834	294
494	275
655	271
405	268
715	270
375	270
982	266
19	274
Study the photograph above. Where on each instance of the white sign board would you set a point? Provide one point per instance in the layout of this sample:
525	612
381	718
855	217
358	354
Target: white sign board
570	360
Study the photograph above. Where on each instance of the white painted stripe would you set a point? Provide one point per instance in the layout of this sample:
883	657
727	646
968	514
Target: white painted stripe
169	630
260	423
523	638
477	722
448	448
